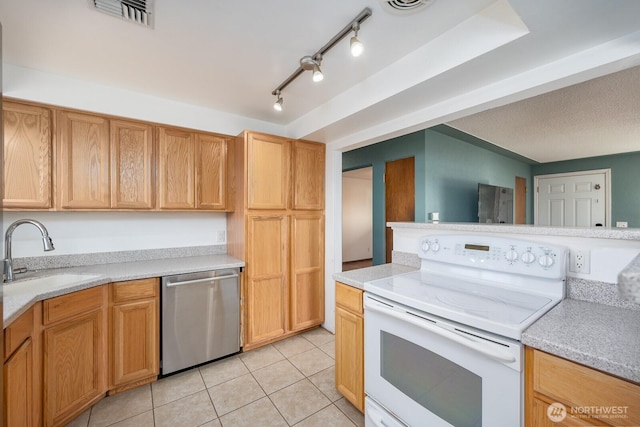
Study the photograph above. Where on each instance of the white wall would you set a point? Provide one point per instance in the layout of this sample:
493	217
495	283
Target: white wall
87	232
83	232
357	218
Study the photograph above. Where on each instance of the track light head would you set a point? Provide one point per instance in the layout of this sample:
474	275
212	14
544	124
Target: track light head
317	74
356	45
278	104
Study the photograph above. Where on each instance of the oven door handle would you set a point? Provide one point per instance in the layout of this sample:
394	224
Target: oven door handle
481	347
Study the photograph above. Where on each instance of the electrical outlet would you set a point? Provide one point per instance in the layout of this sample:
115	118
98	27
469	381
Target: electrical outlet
580	262
622	224
220	236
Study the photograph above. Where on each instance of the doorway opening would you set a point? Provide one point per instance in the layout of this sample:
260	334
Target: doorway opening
357	218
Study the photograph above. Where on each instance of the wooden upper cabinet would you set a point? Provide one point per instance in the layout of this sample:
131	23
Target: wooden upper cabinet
131	165
176	169
27	156
308	175
83	161
211	172
268	161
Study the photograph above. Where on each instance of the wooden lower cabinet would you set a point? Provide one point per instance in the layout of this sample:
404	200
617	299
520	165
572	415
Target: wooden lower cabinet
134	350
22	371
18	392
75	353
350	344
578	395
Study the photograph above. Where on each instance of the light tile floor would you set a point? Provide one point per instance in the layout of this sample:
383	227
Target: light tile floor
287	383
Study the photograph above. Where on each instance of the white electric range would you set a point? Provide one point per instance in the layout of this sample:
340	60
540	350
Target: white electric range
442	343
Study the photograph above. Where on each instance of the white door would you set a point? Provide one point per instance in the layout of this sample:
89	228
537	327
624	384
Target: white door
578	199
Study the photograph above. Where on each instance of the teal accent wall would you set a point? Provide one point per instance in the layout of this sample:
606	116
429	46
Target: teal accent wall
625	178
453	170
376	156
447	173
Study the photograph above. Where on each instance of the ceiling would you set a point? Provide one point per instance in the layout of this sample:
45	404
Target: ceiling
453	59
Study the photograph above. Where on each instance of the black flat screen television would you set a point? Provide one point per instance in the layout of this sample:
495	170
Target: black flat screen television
495	204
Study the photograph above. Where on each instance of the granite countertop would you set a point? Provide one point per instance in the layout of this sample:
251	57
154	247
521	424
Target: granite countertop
629	281
601	336
15	305
356	278
590	232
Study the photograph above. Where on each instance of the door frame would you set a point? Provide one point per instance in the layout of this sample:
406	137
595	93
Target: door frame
607	190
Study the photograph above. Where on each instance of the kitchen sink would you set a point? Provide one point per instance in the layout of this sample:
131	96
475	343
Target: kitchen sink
46	283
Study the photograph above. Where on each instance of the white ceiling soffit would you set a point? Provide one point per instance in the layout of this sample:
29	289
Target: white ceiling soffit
480	33
594	118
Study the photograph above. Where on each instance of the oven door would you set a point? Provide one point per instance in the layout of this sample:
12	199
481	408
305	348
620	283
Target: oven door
427	371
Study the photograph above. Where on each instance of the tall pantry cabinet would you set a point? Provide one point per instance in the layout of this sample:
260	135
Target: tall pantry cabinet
277	227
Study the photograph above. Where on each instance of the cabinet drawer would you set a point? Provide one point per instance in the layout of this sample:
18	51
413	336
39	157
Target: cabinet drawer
349	297
66	306
17	332
580	387
134	290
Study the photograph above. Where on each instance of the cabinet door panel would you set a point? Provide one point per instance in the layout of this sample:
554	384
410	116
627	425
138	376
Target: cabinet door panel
18	387
134	342
308	175
266	274
74	366
27	156
83	167
176	169
131	165
267	172
350	357
211	172
307	271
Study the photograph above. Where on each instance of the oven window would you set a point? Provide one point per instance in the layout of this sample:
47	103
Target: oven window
442	387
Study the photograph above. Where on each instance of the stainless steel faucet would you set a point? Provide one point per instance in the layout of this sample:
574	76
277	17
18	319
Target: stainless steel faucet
8	261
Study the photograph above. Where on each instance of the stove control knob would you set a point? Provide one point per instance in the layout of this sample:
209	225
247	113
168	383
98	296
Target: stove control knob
511	255
425	246
435	247
528	257
546	260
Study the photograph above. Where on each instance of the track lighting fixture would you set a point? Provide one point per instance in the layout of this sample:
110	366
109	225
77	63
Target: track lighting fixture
278	104
355	44
312	62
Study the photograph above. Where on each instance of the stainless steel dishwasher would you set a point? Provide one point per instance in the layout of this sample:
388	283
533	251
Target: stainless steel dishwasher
200	318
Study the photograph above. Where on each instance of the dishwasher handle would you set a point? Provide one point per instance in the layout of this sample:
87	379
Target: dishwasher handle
203	280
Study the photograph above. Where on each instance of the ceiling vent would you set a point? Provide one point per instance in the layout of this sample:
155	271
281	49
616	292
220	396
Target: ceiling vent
405	7
138	11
